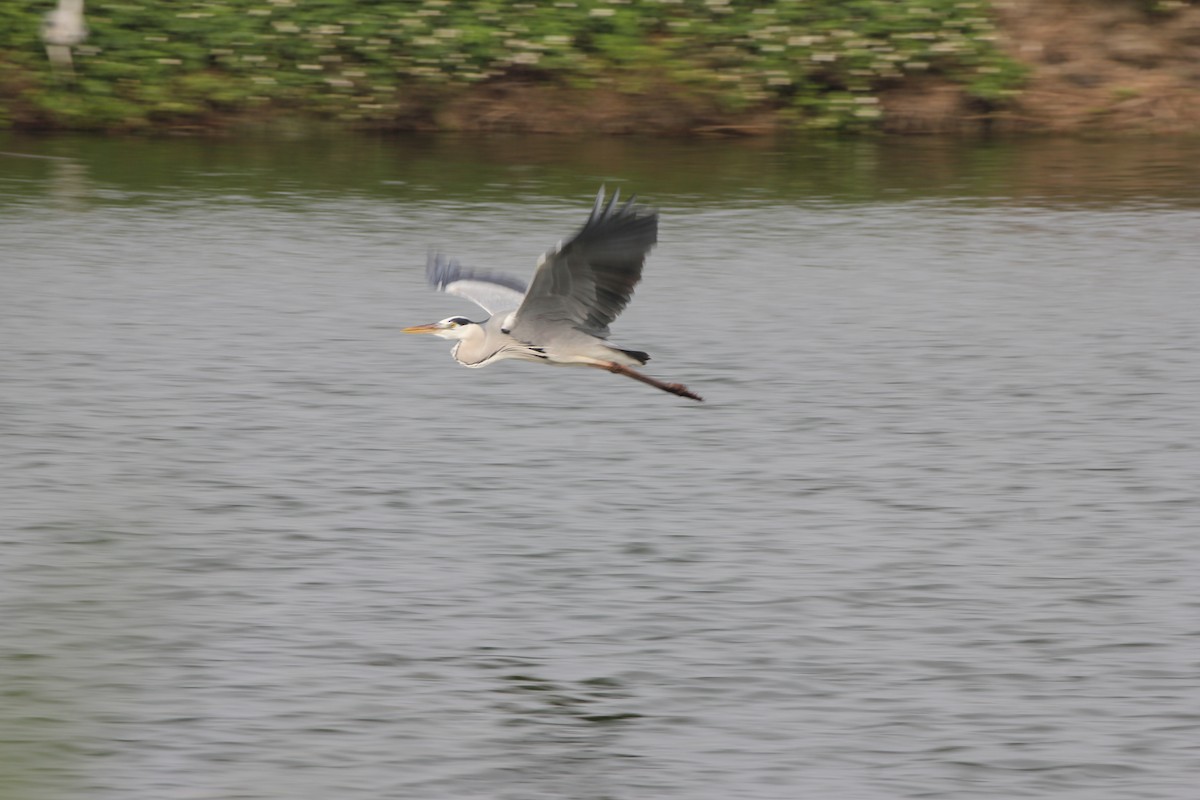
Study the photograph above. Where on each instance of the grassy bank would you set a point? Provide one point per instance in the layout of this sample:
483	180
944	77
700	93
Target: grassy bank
679	65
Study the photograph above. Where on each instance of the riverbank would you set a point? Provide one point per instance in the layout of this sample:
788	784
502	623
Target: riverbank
1104	66
717	67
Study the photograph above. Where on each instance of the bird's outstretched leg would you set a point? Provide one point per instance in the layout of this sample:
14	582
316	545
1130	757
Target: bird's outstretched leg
673	388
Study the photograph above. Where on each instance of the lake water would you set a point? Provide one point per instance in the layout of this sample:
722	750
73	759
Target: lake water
932	535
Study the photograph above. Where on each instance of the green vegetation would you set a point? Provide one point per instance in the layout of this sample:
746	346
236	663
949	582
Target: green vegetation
388	63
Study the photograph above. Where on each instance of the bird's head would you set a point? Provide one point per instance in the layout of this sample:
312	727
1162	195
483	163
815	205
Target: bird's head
457	328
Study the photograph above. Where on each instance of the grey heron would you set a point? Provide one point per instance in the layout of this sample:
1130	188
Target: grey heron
577	290
62	29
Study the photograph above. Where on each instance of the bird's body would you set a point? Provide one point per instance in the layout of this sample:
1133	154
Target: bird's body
562	318
487	342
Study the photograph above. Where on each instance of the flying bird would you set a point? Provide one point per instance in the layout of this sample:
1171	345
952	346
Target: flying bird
577	290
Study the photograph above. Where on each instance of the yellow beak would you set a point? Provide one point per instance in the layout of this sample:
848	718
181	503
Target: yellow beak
432	327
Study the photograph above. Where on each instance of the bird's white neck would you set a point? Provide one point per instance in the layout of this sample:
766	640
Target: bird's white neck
472	348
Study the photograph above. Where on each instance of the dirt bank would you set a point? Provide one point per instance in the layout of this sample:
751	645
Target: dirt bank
1105	65
1094	66
903	66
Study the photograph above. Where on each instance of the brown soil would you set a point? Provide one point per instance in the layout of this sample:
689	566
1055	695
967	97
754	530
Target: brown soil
1109	66
931	105
1094	65
531	106
545	108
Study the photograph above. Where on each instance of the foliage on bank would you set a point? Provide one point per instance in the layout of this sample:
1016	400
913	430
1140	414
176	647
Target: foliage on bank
815	63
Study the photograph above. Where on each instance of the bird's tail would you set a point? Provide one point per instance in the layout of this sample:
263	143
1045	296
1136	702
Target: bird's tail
638	355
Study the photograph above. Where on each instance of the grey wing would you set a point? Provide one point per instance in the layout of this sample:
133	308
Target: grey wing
490	291
586	282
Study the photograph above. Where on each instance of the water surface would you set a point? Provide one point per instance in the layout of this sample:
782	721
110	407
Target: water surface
932	535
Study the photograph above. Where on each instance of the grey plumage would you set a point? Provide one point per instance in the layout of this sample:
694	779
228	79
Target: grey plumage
491	291
578	289
588	281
